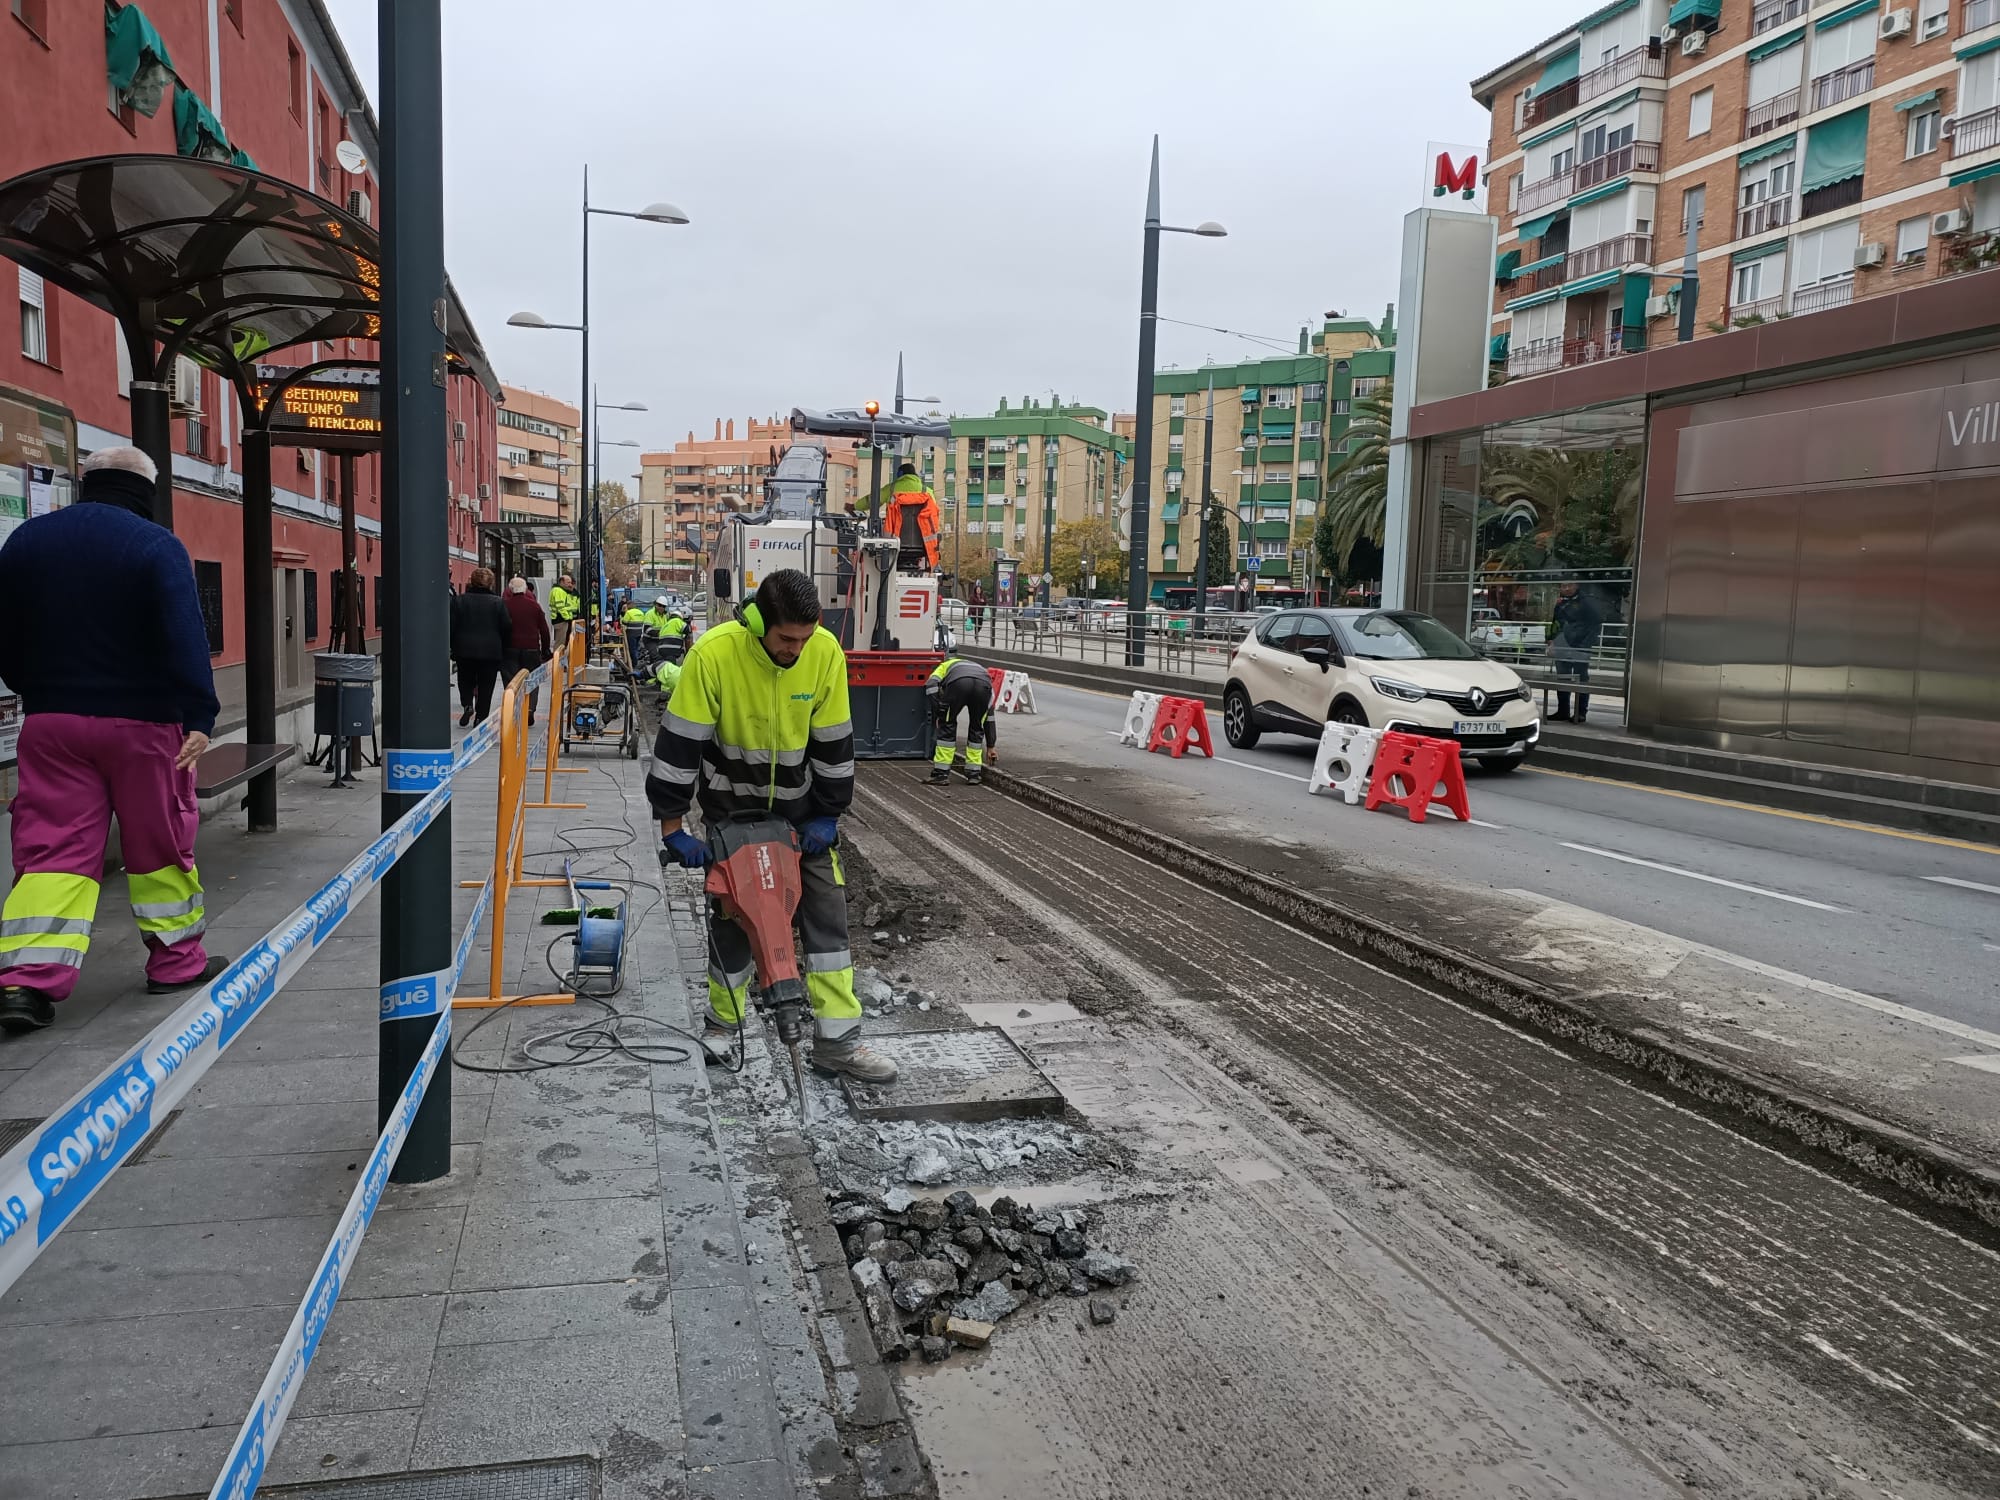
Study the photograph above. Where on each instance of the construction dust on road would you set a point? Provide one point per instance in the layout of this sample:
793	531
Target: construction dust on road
1385	1244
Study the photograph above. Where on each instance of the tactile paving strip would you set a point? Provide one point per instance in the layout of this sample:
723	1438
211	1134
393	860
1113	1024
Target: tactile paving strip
561	1479
973	1074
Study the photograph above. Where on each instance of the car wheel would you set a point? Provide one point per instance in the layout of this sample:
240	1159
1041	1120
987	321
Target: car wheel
1493	765
1236	725
1347	711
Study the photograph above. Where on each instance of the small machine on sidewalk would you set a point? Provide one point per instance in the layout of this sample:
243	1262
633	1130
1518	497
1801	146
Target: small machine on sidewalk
599	709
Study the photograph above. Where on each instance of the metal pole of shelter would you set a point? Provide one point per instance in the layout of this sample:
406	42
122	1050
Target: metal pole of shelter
350	564
152	435
416	892
1138	586
260	626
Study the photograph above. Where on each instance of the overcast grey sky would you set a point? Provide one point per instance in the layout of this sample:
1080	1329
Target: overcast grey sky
964	183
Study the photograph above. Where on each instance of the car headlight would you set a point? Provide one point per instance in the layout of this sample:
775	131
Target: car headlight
1388	687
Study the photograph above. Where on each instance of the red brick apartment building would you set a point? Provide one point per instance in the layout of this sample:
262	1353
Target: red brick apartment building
273	77
1812	153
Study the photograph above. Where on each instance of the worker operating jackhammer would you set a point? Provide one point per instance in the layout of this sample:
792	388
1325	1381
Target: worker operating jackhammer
960	685
758	723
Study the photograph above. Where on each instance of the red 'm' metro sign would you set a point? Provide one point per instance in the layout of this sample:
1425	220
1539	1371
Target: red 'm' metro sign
1462	178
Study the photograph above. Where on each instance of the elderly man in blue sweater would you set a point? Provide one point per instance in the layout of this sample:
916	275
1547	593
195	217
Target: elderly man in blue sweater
119	706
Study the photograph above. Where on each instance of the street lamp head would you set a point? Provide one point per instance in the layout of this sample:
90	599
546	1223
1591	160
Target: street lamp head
621	406
1208	229
528	320
661	213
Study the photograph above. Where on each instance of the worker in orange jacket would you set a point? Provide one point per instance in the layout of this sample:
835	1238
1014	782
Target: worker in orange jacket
912	518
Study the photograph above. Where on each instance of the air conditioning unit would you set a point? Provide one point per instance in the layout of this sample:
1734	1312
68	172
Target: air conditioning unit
1951	221
187	387
485	491
1669	34
1694	44
1895	23
358	205
1661	306
1871	254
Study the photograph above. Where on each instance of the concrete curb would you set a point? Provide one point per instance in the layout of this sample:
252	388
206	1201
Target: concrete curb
1872	1147
1100	676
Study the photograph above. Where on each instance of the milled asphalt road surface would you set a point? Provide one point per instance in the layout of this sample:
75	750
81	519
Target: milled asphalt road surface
1736	1269
1875	912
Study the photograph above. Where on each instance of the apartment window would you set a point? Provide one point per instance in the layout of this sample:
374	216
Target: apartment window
1923	137
1173	480
1176	406
1693	201
295	75
34	14
1825	254
1339	408
1283	398
1912	236
1514	193
1308	468
1278	476
1562	161
1315	391
34	317
1309	431
323	142
208	594
234	10
1701	112
1243	548
1933	19
1751	281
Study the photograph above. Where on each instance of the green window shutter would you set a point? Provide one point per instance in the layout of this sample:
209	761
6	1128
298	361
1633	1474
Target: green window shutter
1559	69
1534	229
136	60
1768	150
1757	252
1845	14
1609	190
1508	263
1637	290
1928	96
1978	49
1836	150
1595	283
1772	48
198	133
1685	11
1496	347
1977	174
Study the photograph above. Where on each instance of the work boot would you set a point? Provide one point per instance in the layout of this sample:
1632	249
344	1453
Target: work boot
851	1058
215	967
718	1042
940	775
24	1010
974	776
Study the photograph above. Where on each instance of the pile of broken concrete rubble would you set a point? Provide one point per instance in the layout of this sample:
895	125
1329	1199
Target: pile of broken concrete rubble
937	1273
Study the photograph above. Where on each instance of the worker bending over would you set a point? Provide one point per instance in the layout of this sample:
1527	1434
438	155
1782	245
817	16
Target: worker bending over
912	518
759	723
960	685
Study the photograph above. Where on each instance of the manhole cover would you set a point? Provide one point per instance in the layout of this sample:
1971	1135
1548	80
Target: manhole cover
560	1479
976	1074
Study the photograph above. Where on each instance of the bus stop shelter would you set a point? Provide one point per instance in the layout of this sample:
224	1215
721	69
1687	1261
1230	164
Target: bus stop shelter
224	266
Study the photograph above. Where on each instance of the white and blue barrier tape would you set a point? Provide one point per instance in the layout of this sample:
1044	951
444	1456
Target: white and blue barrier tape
243	1472
53	1172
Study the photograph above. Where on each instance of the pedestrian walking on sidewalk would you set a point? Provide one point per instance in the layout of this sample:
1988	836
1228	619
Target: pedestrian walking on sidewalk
759	721
120	703
1573	636
960	685
480	629
528	639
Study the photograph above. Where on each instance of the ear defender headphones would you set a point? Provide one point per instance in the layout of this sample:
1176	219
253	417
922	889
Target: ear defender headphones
753	619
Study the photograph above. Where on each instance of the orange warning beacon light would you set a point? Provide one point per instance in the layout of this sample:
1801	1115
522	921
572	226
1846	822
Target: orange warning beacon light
873	408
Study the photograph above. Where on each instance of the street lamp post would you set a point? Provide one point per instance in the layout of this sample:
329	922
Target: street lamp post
1138	585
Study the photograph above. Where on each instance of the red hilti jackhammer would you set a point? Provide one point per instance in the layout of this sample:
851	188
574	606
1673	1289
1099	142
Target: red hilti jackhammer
753	871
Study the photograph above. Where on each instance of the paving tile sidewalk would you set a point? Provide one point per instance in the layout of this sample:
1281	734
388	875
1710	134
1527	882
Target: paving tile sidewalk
582	1283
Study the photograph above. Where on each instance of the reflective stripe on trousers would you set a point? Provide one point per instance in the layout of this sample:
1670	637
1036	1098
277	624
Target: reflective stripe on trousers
168	903
47	920
829	966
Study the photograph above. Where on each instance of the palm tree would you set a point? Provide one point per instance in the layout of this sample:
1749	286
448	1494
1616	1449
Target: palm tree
1357	488
1568	507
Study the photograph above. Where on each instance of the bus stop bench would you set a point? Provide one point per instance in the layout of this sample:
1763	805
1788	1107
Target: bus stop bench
223	767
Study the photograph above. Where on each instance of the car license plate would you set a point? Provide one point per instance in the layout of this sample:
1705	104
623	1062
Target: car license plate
1478	726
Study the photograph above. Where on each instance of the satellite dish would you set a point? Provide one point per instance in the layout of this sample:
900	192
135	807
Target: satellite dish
351	157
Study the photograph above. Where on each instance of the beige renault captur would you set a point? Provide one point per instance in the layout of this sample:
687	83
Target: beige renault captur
1383	668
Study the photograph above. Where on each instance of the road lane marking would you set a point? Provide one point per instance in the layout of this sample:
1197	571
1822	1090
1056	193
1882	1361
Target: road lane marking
1776	812
1985	1062
1734	885
1915	1017
1964	885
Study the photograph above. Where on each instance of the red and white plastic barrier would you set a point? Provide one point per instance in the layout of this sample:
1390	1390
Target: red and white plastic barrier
1015	695
1412	771
1344	761
1139	716
1180	723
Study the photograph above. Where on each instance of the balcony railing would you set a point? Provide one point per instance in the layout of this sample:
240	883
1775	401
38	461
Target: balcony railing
1770	13
1639	62
1551	189
1742	314
1541	280
1844	83
1831	198
1761	118
1980	132
1817	298
1773	213
1608	255
1539	356
1980	13
1633	156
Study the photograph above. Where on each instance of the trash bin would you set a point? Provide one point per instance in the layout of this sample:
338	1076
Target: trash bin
343	696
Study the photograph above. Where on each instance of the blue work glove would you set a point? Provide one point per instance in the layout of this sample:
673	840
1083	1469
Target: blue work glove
818	835
685	849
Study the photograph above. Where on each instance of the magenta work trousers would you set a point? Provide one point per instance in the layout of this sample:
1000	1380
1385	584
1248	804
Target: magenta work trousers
75	773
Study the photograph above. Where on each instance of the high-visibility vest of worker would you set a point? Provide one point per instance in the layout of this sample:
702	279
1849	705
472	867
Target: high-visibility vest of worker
910	515
759	723
667	677
564	602
960	685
